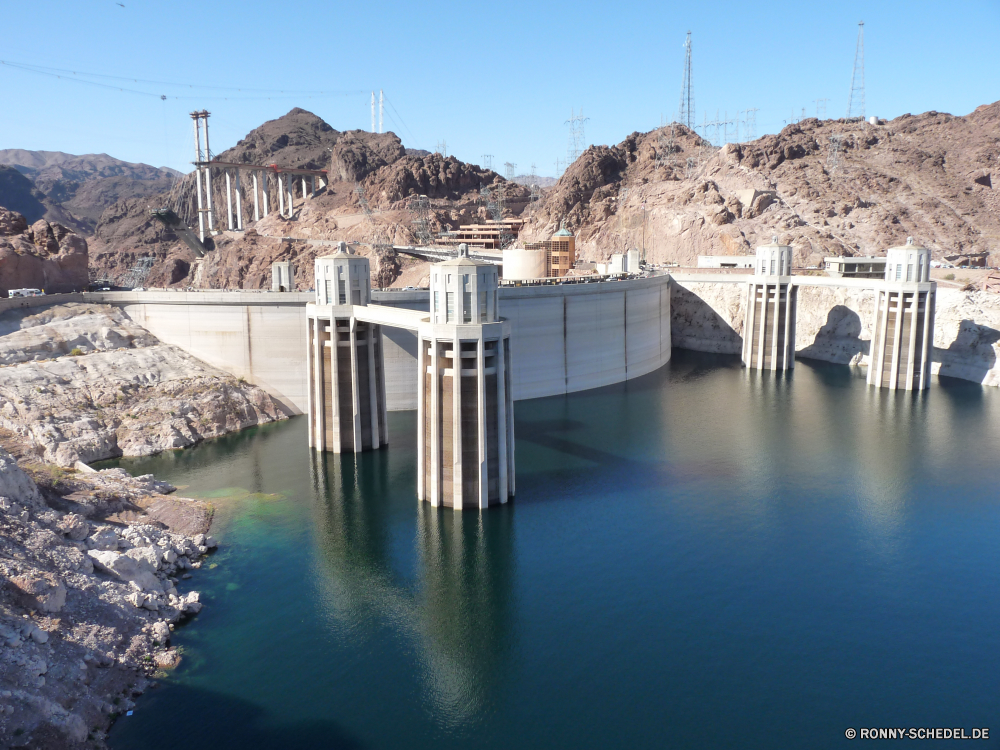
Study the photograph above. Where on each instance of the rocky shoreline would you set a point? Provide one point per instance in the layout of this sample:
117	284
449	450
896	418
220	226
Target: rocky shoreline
91	563
94	565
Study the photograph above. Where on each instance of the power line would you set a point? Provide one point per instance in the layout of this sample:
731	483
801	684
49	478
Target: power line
74	75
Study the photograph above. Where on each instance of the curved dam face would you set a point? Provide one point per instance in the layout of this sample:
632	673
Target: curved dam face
564	338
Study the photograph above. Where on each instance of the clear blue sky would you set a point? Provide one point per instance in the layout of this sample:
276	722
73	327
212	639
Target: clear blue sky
495	78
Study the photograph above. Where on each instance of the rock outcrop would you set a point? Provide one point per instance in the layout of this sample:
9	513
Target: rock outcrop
41	256
83	382
827	187
88	598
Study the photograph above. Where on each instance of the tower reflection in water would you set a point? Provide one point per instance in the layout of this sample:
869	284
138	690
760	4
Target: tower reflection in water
450	592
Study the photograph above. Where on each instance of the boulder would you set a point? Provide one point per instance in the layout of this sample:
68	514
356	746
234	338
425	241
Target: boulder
41	591
126	568
73	526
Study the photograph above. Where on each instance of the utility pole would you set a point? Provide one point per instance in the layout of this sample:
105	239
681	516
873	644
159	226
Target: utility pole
685	112
856	101
381	110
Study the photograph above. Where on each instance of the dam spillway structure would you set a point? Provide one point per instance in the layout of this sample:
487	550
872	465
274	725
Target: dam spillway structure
769	327
465	444
347	407
900	357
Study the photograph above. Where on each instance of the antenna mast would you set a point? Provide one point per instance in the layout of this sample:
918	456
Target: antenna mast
858	76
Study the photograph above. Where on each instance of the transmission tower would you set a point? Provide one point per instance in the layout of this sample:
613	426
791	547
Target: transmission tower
494	204
420	207
442	148
373	111
750	123
509	171
665	146
685	113
381	110
488	161
821	108
856	101
559	167
577	140
833	157
726	122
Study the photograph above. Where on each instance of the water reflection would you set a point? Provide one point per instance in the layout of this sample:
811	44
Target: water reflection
458	606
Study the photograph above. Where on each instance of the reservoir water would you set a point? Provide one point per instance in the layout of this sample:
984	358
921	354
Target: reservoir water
699	558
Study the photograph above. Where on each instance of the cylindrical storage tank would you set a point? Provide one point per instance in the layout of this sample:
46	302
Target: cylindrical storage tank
522	265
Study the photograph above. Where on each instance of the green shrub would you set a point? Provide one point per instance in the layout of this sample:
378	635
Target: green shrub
950	277
75	351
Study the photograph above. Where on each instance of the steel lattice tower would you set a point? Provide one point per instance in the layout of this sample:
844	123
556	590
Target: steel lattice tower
858	76
685	113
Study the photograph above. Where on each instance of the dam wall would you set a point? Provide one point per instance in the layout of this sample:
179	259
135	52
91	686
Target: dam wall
564	338
835	323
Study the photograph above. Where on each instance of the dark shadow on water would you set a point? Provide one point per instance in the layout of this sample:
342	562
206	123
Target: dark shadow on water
841	332
174	715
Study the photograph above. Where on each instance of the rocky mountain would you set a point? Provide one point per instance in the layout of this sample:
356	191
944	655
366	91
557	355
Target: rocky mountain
827	187
388	174
41	256
75	190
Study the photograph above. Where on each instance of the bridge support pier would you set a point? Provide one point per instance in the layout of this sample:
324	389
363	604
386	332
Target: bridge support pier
769	326
900	357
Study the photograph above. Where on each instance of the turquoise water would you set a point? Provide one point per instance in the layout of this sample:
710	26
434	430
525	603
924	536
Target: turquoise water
699	558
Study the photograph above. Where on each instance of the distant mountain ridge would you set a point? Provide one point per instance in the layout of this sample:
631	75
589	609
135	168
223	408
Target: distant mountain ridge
76	189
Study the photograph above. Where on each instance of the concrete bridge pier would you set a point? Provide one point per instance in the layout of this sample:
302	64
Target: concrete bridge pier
347	407
465	417
769	327
900	357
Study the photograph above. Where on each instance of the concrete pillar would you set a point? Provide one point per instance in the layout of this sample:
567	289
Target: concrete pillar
355	397
264	197
900	354
197	172
373	380
422	483
256	197
229	201
435	428
312	186
291	197
310	365
769	325
334	395
208	183
468	433
456	420
303	183
239	203
281	196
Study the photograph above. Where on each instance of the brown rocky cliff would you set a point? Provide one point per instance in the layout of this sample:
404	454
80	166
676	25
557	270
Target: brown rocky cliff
43	256
930	176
